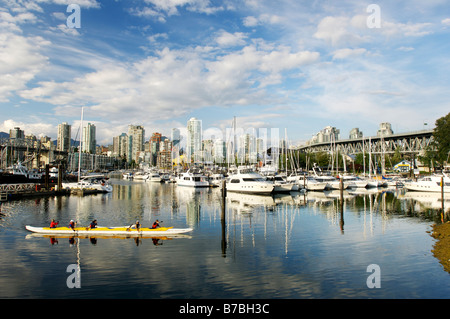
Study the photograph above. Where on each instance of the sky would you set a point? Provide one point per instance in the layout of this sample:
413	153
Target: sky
292	65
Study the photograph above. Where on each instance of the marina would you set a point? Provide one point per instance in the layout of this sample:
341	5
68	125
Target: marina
303	244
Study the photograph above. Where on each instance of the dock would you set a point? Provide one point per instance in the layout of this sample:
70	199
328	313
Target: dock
9	192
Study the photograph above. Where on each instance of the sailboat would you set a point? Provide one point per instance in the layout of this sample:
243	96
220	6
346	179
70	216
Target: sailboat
97	183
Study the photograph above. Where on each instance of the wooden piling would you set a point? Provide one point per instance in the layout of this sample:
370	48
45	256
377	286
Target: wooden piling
442	194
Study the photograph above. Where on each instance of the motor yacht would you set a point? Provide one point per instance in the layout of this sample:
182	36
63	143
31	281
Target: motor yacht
246	180
97	182
429	184
192	178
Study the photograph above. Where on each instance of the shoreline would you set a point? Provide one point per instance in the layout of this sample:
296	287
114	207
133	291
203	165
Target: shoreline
441	249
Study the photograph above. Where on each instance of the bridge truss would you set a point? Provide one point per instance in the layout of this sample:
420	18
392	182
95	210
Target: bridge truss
412	143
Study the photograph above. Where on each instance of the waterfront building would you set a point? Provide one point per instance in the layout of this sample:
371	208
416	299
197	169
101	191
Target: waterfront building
385	129
175	137
164	160
247	148
207	153
16	133
219	151
136	137
154	147
120	145
63	140
89	141
355	133
327	135
194	140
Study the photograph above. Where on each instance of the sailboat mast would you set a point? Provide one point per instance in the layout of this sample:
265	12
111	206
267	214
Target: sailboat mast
81	143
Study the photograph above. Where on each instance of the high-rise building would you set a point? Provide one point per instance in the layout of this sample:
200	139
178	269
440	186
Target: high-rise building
385	129
63	141
220	151
164	159
155	143
327	135
136	137
120	145
89	141
16	133
194	140
355	133
175	137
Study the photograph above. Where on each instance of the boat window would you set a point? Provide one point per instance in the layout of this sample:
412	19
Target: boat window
253	179
235	181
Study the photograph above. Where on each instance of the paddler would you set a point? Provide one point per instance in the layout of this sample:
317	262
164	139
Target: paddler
72	225
93	224
156	224
53	223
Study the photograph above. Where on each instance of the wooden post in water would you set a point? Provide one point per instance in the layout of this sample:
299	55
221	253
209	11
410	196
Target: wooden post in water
341	203
223	220
442	195
59	178
47	177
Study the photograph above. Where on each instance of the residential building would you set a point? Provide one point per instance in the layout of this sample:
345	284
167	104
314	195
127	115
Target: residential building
16	133
385	129
327	135
64	135
194	140
154	147
355	133
89	141
136	137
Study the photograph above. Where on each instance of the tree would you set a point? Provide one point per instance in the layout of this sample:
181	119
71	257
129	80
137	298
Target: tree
441	136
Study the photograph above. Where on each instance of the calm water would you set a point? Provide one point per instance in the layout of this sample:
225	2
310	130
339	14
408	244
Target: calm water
295	246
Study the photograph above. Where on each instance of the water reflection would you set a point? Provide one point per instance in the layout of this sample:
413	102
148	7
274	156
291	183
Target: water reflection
297	245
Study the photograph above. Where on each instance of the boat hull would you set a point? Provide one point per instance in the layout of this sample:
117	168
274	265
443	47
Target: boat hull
114	231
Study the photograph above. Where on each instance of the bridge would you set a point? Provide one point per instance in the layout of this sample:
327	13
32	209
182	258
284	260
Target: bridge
27	151
411	143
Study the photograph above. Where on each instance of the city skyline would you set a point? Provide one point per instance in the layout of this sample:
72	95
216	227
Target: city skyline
295	65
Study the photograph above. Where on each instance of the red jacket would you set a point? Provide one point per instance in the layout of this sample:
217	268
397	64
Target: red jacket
53	224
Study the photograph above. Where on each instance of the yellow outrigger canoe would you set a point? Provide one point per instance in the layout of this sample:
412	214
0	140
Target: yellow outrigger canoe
121	230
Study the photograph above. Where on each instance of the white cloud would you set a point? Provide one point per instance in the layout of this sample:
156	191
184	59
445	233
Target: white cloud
172	82
227	39
263	19
338	31
36	128
346	53
20	62
170	7
446	21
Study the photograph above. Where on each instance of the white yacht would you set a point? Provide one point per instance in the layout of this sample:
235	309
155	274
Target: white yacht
429	184
141	176
20	170
192	178
154	177
215	180
314	185
282	185
354	181
97	182
127	175
331	181
246	180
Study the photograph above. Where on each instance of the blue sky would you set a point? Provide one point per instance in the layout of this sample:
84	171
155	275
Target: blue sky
288	64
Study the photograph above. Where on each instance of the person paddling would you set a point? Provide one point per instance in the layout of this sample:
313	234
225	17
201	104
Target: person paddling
156	224
72	225
53	224
93	224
